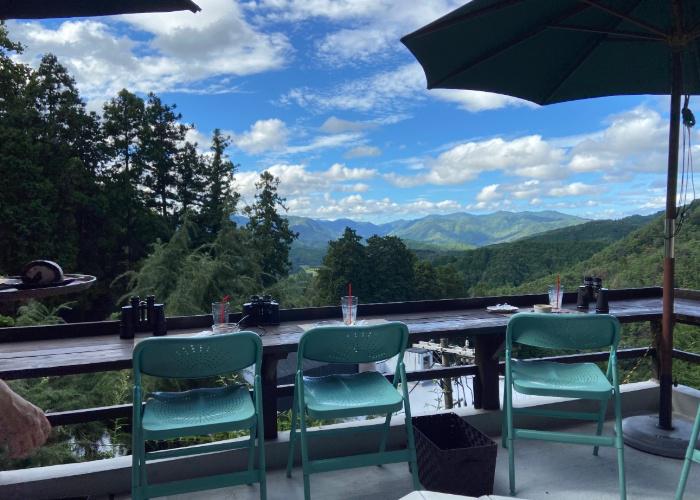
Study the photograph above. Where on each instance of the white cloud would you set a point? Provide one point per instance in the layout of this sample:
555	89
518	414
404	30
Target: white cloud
574	189
334	125
325	142
633	141
384	90
263	136
359	207
297	180
528	156
368	30
526	190
363	151
390	92
195	136
299	10
170	51
489	193
474	100
636	140
655	203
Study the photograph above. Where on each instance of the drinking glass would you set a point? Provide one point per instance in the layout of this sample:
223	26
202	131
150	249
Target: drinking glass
219	312
349	306
555	298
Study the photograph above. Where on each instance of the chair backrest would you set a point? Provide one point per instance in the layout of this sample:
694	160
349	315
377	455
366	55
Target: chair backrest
197	357
353	344
563	331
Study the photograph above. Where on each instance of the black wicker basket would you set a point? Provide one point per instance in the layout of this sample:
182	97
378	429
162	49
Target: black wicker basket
453	456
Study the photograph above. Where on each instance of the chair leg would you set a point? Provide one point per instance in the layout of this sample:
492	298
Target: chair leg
684	477
619	445
262	468
304	451
504	421
135	469
385	434
292	437
510	439
411	442
251	451
688	457
601	420
143	480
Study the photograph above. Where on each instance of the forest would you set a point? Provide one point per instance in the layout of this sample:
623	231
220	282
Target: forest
122	194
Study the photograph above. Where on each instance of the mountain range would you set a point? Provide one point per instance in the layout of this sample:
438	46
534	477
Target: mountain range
457	231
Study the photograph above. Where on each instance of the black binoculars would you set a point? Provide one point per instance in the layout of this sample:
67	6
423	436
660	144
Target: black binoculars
592	291
142	316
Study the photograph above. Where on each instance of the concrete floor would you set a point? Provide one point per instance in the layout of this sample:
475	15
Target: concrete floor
543	471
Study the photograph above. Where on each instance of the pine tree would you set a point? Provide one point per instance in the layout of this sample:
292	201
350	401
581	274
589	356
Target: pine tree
270	231
391	269
70	154
345	262
160	138
24	222
123	123
219	200
189	180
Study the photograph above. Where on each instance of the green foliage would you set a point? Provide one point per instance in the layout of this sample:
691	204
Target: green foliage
36	313
633	261
160	149
188	278
344	263
296	290
219	200
270	231
390	272
506	267
384	270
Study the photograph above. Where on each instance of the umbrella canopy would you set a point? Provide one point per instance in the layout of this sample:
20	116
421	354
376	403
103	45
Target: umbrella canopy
41	9
555	51
549	52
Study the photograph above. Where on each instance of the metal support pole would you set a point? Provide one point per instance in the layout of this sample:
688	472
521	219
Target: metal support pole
667	320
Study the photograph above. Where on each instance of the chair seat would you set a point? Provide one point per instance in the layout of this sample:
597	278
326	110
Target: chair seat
546	378
198	411
338	396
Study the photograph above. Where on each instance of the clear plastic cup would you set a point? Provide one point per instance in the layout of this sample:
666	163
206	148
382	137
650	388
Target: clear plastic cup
556	296
219	313
349	306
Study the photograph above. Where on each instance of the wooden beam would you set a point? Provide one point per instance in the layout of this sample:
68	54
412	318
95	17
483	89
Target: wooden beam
107	413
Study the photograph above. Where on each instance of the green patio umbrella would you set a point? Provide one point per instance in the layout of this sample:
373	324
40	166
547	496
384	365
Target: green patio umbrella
42	9
549	51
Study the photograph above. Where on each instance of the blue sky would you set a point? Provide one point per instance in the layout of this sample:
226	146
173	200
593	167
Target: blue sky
322	94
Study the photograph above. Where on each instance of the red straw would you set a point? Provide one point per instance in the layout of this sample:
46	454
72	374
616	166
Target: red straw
350	290
222	309
558	288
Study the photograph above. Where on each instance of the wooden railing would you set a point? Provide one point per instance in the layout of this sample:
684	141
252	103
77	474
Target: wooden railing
273	391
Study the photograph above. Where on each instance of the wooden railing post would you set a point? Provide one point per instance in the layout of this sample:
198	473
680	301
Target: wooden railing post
269	390
446	382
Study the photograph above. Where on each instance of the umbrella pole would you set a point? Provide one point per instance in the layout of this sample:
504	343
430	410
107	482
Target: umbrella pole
648	433
666	344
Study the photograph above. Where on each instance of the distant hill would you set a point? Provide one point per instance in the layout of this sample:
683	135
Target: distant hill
509	266
469	230
637	259
433	233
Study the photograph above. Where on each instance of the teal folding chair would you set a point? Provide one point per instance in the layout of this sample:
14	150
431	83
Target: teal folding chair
168	415
569	380
691	455
353	395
